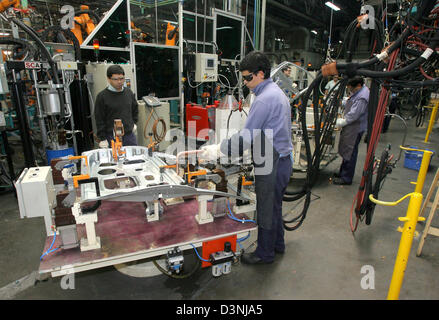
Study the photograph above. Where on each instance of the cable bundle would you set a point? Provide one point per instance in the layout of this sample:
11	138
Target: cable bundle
408	63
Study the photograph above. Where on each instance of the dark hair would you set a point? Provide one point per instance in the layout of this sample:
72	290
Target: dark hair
286	69
114	69
355	81
254	62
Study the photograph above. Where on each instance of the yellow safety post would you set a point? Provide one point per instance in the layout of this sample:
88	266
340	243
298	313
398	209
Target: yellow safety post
410	221
432	120
423	169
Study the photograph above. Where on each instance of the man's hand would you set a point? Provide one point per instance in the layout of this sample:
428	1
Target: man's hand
341	122
103	144
210	153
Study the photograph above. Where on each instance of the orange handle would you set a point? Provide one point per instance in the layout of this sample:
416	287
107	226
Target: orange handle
80	157
195	173
80	177
246	183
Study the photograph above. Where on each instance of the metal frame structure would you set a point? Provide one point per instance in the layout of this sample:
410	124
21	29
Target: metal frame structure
133	59
131	48
104	20
239	18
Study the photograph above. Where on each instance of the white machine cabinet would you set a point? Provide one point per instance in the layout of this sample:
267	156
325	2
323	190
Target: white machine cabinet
36	195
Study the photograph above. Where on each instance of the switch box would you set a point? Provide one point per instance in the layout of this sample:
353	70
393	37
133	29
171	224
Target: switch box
206	67
36	195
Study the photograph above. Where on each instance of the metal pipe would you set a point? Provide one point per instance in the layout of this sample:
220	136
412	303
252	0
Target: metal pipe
261	41
196	26
40	111
180	62
69	104
204	27
156	24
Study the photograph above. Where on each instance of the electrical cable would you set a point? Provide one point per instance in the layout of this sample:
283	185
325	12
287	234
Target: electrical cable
242	240
51	245
234	218
198	255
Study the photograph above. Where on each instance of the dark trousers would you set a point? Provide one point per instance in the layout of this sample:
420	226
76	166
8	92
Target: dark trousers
347	168
129	139
273	239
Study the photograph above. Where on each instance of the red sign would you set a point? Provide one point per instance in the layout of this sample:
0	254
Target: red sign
32	65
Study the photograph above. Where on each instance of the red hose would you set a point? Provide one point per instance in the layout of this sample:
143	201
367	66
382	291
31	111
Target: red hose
373	143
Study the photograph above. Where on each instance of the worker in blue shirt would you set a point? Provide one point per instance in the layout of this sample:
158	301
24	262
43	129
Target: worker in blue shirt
267	132
353	125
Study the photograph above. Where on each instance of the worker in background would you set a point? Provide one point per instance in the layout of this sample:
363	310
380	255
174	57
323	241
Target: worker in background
116	102
393	105
287	71
353	125
331	84
270	115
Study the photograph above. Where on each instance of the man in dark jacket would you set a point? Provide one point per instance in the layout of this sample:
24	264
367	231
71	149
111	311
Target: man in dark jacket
354	125
116	102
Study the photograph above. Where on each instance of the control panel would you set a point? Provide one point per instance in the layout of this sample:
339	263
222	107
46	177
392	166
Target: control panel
206	67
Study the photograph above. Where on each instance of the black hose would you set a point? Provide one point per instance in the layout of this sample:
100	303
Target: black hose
31	32
391	74
24	44
90	12
311	169
68	35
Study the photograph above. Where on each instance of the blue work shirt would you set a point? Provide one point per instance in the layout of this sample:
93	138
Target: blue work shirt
355	114
270	112
356	108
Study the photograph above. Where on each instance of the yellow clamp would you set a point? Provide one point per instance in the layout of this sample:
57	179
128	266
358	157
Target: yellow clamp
389	204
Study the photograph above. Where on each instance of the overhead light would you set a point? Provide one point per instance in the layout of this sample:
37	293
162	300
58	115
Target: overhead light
313	31
332	6
4	34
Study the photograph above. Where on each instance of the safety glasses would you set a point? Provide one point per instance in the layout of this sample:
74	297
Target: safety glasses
248	77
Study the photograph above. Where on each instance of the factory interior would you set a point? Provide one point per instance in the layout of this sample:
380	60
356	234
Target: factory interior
132	133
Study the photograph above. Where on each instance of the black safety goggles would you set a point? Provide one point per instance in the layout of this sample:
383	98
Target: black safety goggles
248	77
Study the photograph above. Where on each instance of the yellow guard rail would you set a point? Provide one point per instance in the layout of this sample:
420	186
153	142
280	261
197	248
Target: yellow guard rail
410	221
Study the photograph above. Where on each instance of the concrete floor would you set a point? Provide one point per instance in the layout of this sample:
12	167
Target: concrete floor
323	259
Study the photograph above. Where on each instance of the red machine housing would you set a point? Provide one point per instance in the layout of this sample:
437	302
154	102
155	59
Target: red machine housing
199	120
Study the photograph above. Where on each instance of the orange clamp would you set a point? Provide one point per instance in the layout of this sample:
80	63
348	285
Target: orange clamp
80	157
195	173
80	177
245	182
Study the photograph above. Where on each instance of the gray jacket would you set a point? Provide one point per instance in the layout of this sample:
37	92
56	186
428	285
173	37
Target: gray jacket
356	117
